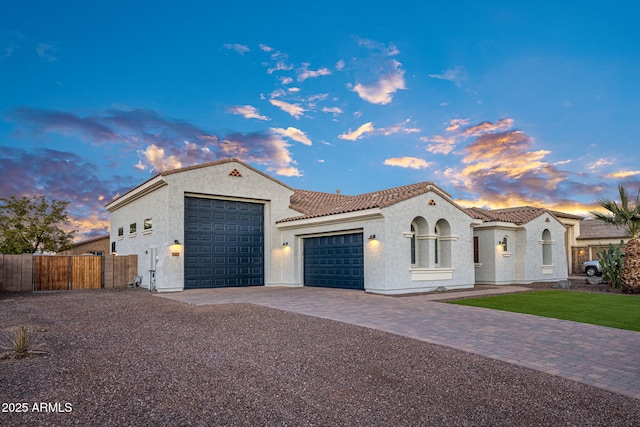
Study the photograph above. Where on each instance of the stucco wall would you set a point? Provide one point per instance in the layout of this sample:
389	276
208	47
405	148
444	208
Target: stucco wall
534	269
165	206
522	261
155	206
426	275
291	257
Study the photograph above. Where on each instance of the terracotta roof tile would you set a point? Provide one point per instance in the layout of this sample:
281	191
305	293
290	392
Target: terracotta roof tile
314	204
517	215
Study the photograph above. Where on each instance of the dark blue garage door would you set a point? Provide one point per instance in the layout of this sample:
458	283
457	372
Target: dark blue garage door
334	261
224	243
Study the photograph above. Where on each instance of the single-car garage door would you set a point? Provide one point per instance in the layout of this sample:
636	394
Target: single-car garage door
224	243
334	261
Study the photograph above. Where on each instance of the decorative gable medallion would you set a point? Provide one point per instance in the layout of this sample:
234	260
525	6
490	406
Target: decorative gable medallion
432	202
235	172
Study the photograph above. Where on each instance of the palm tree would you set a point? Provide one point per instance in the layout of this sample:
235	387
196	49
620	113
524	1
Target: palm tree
628	218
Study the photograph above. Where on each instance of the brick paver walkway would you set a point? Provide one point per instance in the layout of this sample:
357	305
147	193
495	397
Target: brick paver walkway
599	356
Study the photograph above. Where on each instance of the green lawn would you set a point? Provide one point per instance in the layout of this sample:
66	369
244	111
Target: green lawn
615	311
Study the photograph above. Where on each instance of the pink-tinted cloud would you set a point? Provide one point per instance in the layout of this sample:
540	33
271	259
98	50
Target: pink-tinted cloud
248	112
62	176
379	76
161	142
305	73
358	133
503	168
295	110
407	162
382	91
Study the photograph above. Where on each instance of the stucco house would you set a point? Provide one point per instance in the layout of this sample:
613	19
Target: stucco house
226	223
518	246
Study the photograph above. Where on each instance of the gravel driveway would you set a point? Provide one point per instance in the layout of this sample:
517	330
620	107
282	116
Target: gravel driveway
124	357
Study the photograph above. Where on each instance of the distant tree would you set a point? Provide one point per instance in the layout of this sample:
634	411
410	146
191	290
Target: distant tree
627	217
33	224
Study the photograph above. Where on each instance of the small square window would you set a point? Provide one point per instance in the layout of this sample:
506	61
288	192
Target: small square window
120	231
147	224
132	228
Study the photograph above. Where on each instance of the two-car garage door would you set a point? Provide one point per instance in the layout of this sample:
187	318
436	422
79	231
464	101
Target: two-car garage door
335	261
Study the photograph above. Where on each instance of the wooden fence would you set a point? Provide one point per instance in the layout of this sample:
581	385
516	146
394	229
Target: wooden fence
24	273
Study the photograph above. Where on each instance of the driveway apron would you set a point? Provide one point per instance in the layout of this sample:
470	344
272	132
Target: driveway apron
599	356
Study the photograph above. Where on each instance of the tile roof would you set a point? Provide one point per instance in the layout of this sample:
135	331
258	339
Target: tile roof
595	229
314	204
517	215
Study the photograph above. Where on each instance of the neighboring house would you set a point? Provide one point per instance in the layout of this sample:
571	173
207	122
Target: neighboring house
226	223
95	246
595	235
518	246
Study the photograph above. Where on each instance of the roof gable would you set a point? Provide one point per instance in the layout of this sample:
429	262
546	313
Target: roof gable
118	201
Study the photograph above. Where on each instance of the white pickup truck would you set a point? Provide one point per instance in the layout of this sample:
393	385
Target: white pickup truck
592	268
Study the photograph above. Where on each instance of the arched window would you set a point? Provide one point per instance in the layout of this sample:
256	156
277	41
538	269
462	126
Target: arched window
546	248
419	243
413	245
443	244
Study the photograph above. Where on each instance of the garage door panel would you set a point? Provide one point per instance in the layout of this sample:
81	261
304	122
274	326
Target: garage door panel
334	261
219	232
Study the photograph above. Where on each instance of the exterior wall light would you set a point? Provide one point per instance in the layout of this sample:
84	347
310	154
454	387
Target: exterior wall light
284	244
176	242
372	237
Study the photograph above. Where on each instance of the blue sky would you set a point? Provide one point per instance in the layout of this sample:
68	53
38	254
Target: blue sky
501	104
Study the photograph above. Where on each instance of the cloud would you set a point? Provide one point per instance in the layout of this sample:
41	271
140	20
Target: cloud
399	128
304	73
488	127
295	110
38	172
378	75
381	92
455	75
368	128
407	162
288	171
340	65
265	48
240	48
441	144
455	124
503	169
332	110
158	158
248	112
293	133
358	133
46	52
622	174
600	163
161	142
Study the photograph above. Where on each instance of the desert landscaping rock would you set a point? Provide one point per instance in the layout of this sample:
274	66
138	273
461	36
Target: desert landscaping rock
127	358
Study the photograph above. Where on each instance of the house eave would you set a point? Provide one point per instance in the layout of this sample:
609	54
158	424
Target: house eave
363	215
141	191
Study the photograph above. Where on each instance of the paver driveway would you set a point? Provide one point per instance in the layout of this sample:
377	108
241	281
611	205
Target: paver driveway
603	357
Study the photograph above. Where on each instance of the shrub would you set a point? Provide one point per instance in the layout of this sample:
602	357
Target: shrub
21	344
611	261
